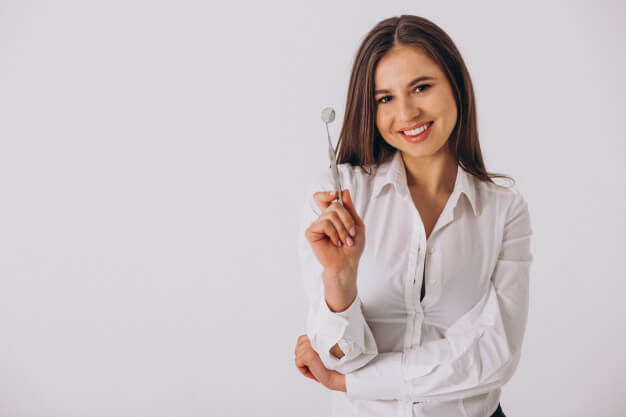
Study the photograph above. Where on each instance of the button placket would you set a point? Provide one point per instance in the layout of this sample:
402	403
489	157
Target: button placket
409	294
418	261
418	316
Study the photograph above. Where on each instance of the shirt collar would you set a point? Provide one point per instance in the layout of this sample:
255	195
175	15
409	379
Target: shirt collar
393	172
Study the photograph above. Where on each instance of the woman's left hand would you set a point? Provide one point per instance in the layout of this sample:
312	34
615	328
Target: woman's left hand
311	366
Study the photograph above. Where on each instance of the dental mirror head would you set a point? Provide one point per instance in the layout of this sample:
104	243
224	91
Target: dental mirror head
328	115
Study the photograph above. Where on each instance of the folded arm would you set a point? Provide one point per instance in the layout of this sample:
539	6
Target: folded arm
336	327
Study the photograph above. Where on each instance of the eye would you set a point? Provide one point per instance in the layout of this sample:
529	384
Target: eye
423	87
419	89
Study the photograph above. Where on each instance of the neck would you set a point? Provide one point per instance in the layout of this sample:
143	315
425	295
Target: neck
432	174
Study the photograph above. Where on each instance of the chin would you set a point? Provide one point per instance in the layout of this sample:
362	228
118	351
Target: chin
418	154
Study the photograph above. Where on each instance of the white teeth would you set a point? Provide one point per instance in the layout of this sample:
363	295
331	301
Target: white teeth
417	131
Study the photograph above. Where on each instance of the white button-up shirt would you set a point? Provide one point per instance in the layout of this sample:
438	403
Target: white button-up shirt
448	354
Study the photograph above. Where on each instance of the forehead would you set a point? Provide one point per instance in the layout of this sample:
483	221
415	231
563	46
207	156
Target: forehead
402	64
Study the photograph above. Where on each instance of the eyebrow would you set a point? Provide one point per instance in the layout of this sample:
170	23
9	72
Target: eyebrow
415	81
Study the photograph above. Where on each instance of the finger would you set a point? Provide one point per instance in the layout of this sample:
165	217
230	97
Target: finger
302	349
346	219
334	217
305	357
316	366
349	205
301	359
302	340
305	371
323	228
324	198
310	359
308	374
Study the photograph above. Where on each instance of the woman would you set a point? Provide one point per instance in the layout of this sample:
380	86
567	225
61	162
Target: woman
418	286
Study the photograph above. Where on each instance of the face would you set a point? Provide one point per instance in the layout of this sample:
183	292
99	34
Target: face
404	102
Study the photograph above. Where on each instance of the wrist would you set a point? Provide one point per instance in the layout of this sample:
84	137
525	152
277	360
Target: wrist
342	275
339	288
339	300
339	383
339	281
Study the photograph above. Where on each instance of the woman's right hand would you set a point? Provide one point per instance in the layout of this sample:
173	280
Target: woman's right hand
329	235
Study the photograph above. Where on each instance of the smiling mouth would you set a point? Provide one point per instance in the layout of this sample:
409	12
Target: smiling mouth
419	134
417	130
415	126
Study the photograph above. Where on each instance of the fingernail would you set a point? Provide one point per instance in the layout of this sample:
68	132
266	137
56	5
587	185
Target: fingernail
353	232
349	241
331	192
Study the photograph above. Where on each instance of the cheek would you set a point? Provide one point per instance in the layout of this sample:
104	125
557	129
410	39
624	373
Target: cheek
382	119
446	106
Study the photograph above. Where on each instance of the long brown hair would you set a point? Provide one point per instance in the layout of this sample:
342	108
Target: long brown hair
360	143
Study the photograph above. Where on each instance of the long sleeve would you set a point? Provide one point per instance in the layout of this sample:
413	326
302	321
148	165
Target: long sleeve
324	327
480	351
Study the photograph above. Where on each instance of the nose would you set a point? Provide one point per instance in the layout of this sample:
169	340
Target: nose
408	111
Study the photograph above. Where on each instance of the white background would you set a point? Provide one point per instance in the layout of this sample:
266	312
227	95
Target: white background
153	162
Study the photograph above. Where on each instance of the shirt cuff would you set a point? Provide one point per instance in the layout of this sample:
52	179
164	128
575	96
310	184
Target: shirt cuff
334	326
381	379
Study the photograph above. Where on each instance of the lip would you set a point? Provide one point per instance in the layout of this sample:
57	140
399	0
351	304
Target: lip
419	138
415	126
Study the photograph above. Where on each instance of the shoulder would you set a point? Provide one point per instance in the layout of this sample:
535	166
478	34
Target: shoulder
502	199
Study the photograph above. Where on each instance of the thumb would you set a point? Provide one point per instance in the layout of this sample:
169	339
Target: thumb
349	205
323	199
